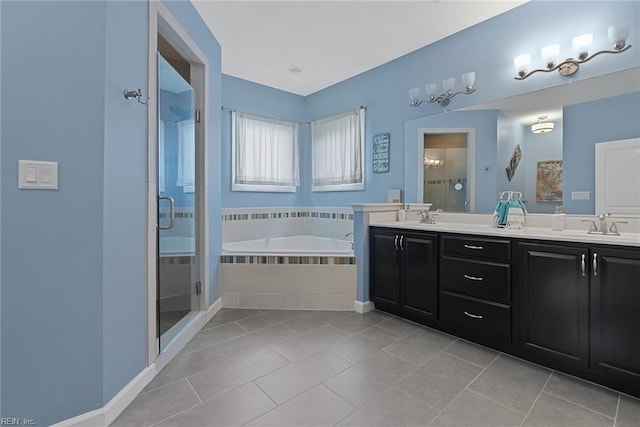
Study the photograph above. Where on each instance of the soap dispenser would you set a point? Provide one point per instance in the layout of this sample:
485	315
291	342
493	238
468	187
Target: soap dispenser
557	219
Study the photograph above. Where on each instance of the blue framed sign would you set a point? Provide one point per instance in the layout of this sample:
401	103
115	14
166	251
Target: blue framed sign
381	153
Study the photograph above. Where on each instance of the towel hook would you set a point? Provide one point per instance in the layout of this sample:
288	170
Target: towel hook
128	94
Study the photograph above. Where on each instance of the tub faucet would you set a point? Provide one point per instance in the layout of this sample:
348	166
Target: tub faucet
350	241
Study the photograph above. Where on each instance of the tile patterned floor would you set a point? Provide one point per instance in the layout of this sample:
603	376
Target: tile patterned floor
318	368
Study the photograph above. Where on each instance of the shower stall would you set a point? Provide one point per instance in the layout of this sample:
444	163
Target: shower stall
178	285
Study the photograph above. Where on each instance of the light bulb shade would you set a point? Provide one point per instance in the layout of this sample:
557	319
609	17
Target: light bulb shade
448	84
521	63
414	94
582	45
468	79
542	127
618	34
551	54
431	89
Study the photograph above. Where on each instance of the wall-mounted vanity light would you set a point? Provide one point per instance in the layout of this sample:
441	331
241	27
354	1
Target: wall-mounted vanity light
444	98
581	44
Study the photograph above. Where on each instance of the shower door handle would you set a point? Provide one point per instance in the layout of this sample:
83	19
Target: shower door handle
172	213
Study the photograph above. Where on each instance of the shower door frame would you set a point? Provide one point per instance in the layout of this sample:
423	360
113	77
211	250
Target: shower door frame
162	22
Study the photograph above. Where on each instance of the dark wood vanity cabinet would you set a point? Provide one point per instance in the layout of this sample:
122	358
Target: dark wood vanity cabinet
404	273
574	307
475	287
553	302
615	313
578	309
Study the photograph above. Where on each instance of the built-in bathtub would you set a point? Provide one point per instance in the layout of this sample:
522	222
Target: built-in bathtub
292	245
296	272
176	246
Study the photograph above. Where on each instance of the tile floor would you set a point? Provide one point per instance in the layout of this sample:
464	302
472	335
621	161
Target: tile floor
294	368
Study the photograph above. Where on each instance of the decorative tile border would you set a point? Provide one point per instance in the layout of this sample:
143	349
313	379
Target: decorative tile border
172	260
447	181
302	260
290	214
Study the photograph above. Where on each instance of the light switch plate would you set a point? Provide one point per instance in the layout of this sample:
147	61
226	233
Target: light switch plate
580	195
37	175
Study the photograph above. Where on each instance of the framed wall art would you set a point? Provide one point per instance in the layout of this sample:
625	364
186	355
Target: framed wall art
381	151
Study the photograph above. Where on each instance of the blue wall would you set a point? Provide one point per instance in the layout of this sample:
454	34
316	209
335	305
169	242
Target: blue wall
384	90
74	326
585	125
53	108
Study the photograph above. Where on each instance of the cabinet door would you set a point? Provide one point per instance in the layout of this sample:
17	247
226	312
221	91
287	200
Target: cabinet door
615	309
419	290
553	303
385	272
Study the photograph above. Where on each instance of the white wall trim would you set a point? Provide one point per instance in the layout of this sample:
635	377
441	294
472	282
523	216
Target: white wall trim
214	309
363	307
112	410
108	413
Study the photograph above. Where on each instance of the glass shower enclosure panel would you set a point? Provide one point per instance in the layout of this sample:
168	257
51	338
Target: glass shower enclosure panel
178	281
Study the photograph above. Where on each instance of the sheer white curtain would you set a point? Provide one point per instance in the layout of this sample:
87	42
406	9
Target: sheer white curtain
265	154
337	145
187	155
161	161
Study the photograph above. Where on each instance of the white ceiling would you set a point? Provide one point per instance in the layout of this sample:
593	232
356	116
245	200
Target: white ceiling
331	40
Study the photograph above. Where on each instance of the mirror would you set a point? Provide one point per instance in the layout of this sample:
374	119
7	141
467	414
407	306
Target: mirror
549	168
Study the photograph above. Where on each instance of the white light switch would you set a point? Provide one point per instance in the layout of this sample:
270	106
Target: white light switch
37	175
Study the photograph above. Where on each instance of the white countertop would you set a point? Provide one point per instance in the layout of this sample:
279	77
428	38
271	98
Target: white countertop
567	235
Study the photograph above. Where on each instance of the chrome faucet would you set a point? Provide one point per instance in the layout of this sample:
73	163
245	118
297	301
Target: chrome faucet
603	228
426	217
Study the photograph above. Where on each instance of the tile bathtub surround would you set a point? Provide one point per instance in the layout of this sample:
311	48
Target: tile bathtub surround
295	283
287	367
258	223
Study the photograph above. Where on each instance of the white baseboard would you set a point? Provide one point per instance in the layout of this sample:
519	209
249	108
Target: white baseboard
112	410
363	307
108	413
214	309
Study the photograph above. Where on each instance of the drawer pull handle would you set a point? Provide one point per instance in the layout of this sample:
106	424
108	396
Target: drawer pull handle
478	279
474	316
478	248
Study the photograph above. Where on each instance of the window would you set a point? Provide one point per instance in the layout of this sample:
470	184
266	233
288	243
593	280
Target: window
264	155
337	145
187	155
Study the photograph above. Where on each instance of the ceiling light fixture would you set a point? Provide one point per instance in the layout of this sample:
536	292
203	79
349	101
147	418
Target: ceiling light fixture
295	69
581	44
444	98
542	126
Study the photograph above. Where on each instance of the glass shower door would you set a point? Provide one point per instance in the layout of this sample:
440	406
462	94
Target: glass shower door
178	282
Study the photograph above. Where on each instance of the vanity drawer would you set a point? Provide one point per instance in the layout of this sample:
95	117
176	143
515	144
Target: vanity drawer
483	248
482	279
491	320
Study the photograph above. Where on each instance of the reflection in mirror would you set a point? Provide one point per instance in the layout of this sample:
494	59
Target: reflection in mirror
445	171
554	164
446	158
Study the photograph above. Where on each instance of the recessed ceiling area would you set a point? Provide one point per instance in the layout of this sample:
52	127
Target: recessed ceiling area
330	41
